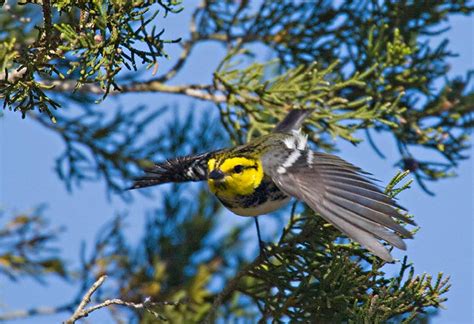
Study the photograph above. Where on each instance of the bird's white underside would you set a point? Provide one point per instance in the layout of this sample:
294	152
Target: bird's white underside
265	208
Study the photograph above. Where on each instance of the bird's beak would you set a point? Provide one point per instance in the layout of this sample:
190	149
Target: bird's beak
216	174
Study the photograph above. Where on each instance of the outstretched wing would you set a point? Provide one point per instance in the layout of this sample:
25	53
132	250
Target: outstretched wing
181	169
344	196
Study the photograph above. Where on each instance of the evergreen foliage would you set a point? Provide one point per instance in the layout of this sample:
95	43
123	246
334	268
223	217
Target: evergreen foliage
366	67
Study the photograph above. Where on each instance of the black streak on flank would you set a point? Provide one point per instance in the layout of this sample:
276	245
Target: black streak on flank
266	189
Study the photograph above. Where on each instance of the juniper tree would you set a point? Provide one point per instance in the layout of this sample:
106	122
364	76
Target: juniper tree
366	67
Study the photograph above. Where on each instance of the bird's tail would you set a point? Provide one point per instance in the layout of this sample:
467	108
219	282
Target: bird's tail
292	121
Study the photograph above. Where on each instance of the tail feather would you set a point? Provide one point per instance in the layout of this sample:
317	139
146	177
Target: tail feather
292	121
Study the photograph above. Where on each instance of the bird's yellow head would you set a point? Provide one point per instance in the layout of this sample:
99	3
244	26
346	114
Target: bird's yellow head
234	176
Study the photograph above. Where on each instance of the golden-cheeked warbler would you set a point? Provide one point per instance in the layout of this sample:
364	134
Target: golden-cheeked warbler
262	176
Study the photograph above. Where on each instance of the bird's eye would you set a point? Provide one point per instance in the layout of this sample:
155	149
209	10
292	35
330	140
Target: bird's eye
238	168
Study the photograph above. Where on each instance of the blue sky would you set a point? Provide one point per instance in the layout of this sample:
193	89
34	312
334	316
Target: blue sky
27	179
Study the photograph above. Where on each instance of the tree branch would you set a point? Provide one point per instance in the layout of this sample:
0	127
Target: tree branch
201	92
82	312
47	21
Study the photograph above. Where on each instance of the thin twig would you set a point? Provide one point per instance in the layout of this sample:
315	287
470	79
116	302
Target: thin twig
80	312
142	306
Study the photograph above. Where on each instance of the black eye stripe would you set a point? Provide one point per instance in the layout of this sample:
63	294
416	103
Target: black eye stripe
240	168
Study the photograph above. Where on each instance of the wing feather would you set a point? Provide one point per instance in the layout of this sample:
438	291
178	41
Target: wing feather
346	197
181	169
353	182
361	236
346	174
373	216
361	200
366	225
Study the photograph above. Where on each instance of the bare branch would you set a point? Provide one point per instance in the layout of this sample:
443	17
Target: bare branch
146	305
202	92
82	312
